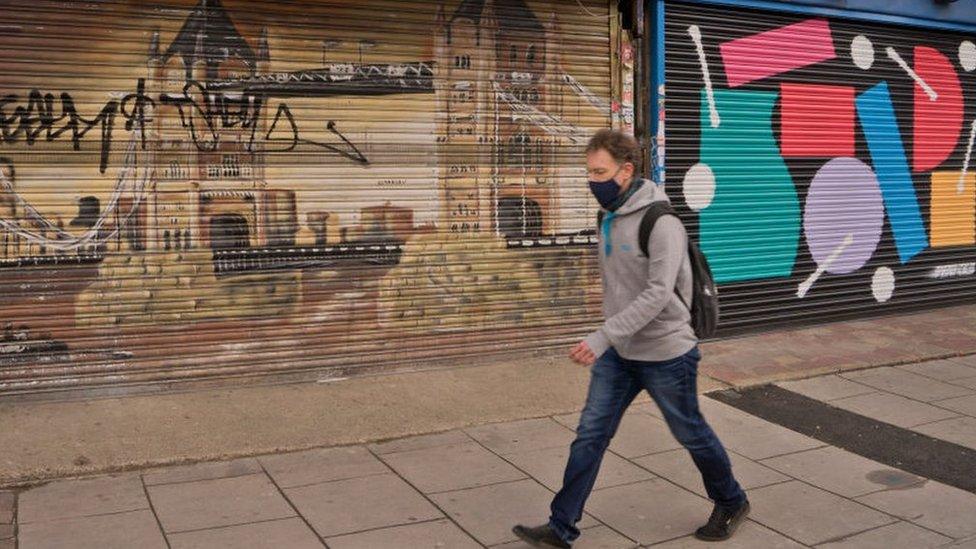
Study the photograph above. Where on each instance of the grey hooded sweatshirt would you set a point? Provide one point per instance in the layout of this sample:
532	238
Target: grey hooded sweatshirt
644	318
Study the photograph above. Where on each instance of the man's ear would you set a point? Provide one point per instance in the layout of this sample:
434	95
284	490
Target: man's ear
633	170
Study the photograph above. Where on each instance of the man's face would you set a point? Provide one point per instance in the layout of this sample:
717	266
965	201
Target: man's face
600	166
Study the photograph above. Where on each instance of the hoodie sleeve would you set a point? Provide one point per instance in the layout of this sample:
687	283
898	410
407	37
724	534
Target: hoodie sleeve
668	242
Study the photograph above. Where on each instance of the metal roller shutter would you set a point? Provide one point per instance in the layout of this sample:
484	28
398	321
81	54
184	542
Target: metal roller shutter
824	164
232	188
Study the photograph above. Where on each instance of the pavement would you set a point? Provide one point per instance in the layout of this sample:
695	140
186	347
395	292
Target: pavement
454	457
466	487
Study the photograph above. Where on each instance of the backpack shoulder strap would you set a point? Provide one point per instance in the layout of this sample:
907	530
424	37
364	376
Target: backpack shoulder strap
599	218
651	215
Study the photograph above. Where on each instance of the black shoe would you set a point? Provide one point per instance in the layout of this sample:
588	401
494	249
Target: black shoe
723	522
540	536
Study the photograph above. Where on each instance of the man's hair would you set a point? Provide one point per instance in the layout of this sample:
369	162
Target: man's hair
621	146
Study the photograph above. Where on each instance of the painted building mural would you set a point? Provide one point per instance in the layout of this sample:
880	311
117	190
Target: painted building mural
826	165
190	188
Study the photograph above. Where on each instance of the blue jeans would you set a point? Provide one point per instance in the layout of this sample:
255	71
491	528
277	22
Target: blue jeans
614	383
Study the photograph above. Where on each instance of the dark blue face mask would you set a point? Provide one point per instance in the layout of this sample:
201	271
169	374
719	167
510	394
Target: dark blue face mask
606	191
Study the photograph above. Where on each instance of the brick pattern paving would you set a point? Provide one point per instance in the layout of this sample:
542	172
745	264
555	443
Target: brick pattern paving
466	488
803	352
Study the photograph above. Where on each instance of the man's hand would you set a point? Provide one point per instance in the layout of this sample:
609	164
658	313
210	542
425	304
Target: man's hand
582	355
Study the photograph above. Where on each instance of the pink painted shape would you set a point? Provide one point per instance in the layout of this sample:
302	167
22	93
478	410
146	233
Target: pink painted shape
937	124
777	51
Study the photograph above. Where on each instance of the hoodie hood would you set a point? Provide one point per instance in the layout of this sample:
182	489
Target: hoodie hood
647	194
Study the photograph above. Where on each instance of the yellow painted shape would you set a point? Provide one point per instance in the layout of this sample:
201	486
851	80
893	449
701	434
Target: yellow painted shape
953	213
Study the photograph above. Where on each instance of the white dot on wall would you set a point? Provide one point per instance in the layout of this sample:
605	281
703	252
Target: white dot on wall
967	55
862	52
883	284
699	186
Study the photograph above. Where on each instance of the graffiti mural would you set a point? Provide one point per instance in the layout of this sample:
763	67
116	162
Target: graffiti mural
205	186
827	166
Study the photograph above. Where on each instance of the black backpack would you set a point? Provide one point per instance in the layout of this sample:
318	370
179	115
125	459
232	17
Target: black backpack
704	307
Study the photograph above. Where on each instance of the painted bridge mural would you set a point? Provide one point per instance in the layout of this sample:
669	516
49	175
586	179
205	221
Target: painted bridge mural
205	179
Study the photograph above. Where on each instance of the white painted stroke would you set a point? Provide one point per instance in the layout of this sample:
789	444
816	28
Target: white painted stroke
908	70
543	120
805	286
969	156
585	93
129	182
696	36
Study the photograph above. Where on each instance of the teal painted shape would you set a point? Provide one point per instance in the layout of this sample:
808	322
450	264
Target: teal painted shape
751	229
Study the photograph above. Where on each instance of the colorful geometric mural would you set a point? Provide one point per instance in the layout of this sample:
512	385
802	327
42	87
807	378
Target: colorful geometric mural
828	170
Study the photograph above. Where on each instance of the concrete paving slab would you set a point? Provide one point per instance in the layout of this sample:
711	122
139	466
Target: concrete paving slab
365	503
750	436
548	465
899	534
811	515
969	382
826	388
642	434
571	420
322	465
597	537
750	535
843	473
290	533
202	471
489	512
907	384
935	506
448	468
7	531
650	511
8	544
421	442
964	405
961	430
894	409
646	406
116	531
677	467
438	534
943	370
518	436
82	498
967	360
44	439
7	502
218	502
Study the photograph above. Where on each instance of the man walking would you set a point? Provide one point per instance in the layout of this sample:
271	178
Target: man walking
646	343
